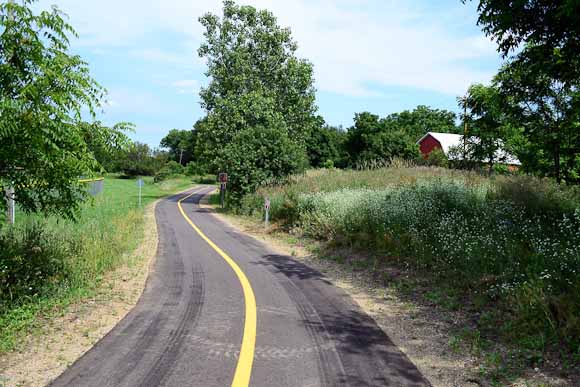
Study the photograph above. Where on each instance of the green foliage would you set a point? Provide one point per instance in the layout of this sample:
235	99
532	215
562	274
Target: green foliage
372	138
437	158
258	156
44	93
107	144
170	169
328	164
195	168
491	131
423	119
139	160
513	240
49	262
258	87
180	144
549	25
30	260
547	108
327	143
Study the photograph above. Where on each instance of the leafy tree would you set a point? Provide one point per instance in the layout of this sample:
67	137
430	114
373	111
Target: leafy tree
548	108
257	84
44	92
423	119
372	138
547	25
180	144
107	144
327	143
490	127
260	155
140	160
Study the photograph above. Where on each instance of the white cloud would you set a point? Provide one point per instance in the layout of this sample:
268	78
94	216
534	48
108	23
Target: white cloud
186	86
356	47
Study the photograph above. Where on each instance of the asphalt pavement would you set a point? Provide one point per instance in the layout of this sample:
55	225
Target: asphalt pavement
193	325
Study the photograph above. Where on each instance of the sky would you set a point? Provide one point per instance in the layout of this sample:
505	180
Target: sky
382	56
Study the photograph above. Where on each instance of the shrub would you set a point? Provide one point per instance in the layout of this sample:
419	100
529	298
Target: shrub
195	169
171	168
31	260
514	239
437	158
328	164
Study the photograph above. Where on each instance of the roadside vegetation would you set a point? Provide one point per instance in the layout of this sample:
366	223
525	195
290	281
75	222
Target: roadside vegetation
47	263
505	249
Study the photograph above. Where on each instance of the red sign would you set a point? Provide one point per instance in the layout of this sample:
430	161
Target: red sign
223	177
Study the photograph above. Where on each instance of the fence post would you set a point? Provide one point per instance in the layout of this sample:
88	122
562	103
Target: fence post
11	210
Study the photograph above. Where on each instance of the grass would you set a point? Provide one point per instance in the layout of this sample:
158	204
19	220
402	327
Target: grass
69	258
506	249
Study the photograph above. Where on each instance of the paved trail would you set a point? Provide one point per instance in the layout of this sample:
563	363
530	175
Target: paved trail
195	326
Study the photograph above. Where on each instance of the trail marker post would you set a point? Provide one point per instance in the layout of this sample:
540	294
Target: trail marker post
139	184
11	205
223	179
267	209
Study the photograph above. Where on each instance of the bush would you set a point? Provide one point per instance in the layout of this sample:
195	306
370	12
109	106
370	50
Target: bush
513	239
195	169
31	260
328	164
437	158
170	169
257	156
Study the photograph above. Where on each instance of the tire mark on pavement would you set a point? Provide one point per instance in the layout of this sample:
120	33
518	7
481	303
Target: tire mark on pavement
188	321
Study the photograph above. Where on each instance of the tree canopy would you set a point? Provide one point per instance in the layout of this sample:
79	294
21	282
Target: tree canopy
44	93
180	144
257	85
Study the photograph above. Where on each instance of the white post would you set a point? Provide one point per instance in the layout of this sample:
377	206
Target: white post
11	205
267	208
140	184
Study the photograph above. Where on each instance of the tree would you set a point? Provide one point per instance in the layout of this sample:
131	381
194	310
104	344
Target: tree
548	108
180	144
140	160
257	84
107	144
490	127
372	139
327	143
44	93
546	25
423	119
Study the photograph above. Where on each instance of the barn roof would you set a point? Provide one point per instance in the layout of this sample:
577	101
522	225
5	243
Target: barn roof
451	140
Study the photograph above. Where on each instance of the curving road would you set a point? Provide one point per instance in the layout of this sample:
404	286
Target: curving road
193	325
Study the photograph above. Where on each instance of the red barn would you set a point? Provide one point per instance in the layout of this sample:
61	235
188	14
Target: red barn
446	141
443	141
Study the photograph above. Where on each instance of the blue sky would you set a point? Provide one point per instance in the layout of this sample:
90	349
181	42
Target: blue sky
368	55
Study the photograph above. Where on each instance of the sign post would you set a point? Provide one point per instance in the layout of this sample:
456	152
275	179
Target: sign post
11	205
223	178
139	184
267	209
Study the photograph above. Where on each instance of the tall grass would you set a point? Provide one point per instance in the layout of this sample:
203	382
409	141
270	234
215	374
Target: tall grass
516	240
46	263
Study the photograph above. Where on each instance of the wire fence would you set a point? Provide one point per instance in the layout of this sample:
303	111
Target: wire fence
94	186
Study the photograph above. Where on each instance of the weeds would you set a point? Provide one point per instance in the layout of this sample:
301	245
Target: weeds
47	263
509	243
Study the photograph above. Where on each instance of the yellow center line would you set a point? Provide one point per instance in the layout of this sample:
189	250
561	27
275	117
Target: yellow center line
246	359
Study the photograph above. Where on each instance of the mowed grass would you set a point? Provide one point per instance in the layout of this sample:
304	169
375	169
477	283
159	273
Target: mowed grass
49	263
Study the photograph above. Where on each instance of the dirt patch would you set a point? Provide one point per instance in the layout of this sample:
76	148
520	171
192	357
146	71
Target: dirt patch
66	338
425	334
